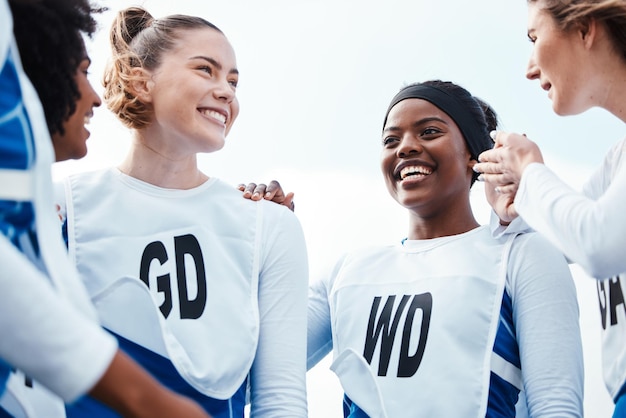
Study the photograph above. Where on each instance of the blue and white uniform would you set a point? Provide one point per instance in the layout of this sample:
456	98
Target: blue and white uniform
590	229
452	326
205	289
47	323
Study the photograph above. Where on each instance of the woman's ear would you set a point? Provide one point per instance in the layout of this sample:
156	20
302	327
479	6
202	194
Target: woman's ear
141	84
471	163
470	169
587	29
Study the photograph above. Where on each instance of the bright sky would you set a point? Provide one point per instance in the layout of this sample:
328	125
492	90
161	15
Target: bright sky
316	78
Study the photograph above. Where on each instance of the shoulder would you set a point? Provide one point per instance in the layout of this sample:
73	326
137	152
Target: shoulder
535	265
531	252
273	212
534	246
91	176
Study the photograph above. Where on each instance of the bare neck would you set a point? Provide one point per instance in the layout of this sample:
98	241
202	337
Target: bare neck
441	223
161	167
608	75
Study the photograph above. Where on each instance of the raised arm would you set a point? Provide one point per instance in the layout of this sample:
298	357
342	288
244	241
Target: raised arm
587	227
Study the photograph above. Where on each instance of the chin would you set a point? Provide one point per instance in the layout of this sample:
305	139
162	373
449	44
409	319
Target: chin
559	109
78	154
568	109
215	147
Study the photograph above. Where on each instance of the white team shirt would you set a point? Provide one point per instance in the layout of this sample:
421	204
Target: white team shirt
590	229
211	281
545	314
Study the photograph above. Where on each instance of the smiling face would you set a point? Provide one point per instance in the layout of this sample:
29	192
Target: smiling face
72	144
425	161
192	93
558	62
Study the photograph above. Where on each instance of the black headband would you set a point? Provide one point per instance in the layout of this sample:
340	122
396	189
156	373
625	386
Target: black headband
476	137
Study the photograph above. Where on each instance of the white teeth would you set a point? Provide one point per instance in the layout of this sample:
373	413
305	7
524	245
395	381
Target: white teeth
215	115
414	170
86	120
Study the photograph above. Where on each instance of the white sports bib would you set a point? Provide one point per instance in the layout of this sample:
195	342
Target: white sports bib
24	398
612	299
419	324
163	277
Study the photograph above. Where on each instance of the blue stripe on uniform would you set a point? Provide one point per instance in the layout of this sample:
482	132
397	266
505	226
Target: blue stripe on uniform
502	395
506	338
165	372
16	152
16	139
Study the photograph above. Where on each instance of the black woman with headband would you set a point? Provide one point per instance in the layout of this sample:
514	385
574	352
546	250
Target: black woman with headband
448	322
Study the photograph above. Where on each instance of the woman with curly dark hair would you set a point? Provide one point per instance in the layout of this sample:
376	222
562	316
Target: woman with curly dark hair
52	349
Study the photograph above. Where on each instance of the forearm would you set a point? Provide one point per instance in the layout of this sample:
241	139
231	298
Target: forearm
319	335
58	346
132	392
589	232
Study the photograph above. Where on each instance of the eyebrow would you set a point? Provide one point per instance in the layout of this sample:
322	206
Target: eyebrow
215	63
417	123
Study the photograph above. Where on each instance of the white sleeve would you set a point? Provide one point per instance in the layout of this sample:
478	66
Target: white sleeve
44	335
319	328
278	375
589	230
546	317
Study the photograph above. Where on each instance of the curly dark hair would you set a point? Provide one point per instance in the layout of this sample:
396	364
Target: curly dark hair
49	35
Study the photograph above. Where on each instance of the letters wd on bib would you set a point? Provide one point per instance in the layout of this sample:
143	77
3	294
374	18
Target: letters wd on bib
429	328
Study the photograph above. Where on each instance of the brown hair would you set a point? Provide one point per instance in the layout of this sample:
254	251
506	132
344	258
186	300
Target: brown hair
139	41
570	13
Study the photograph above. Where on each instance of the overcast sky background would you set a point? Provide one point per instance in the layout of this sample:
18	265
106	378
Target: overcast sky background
316	79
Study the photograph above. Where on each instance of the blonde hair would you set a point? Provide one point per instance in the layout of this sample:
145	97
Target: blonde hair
568	14
139	41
